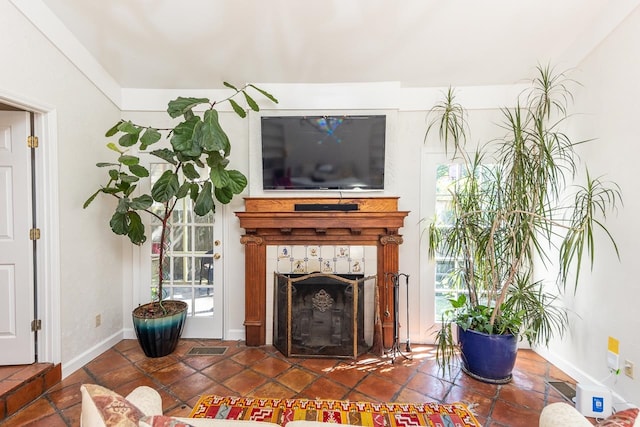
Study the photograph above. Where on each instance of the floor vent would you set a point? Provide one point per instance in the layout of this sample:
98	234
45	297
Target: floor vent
206	351
564	389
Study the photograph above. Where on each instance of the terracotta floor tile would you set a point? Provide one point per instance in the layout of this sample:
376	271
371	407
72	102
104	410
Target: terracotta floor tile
222	370
347	375
249	356
265	372
65	397
38	409
172	373
296	379
122	375
528	398
514	415
107	362
481	405
323	388
270	366
245	383
427	385
193	385
381	389
273	389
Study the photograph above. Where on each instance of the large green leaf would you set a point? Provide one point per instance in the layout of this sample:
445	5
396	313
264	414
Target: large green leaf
114	174
204	202
139	171
113	147
237	181
128	178
115	129
136	228
219	177
238	109
90	199
166	155
224	195
128	139
143	202
119	223
183	134
183	190
180	105
166	187
123	205
150	136
128	160
265	93
251	102
213	137
190	171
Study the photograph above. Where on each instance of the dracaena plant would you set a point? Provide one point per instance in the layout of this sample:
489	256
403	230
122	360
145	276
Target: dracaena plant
198	155
517	202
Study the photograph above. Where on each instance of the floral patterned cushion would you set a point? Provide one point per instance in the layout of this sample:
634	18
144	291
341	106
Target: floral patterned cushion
626	418
110	407
162	421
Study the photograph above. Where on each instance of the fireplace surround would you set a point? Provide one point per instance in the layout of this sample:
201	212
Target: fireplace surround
271	221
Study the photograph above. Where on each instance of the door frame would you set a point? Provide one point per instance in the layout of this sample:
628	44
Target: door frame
48	259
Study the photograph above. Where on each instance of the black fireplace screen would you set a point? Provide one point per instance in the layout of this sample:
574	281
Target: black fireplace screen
319	314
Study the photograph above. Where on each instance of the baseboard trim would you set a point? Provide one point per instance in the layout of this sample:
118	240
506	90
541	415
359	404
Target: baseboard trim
78	362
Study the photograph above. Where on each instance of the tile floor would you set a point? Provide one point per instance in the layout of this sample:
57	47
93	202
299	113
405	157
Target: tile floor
251	371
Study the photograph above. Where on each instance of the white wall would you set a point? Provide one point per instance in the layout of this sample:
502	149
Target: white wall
90	280
606	302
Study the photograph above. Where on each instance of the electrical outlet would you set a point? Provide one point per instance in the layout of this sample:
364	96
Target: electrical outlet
628	369
98	320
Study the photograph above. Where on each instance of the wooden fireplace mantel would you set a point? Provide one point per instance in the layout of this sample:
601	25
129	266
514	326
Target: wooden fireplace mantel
274	221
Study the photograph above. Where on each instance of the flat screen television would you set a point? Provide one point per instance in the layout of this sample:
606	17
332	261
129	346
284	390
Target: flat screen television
341	152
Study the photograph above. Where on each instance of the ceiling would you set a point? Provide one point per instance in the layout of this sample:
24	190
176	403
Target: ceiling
194	44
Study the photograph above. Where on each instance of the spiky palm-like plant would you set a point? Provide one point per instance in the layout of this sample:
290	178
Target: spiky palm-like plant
510	209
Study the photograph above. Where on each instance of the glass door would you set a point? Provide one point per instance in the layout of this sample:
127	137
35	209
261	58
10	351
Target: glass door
192	264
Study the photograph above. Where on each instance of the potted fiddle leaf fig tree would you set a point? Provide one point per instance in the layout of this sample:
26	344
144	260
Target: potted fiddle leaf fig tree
518	199
198	159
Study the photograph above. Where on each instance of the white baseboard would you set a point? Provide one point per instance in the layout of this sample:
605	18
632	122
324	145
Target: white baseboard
235	335
581	377
78	362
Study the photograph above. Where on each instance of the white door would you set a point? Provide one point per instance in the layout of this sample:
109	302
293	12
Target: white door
193	268
16	249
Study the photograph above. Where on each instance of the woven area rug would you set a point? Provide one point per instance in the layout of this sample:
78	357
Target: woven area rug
281	411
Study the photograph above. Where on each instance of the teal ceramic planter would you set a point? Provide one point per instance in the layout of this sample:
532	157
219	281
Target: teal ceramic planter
158	335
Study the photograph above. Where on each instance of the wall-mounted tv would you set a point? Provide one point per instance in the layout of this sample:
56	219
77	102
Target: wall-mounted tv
341	152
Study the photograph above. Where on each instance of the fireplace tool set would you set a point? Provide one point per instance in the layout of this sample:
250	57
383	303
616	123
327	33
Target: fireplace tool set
394	279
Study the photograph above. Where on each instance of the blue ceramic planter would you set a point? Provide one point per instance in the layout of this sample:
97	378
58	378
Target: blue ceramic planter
159	336
488	358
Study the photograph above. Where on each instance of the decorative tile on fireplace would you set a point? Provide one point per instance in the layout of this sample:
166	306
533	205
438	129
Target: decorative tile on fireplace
325	259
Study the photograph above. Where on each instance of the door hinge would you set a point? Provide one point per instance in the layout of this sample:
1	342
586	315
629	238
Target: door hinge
36	325
34	234
32	141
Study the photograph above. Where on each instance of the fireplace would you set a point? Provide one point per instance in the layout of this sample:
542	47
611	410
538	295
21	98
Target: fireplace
319	314
271	221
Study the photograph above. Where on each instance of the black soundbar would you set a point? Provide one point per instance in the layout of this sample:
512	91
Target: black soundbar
326	207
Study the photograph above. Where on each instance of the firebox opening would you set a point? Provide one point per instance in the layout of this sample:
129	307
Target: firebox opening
319	314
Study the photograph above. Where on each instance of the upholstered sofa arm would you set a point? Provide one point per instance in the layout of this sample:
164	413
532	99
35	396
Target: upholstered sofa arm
562	414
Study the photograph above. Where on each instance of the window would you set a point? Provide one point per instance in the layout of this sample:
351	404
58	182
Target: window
445	288
449	286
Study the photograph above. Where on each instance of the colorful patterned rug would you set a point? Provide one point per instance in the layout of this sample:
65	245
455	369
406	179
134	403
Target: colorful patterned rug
281	411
